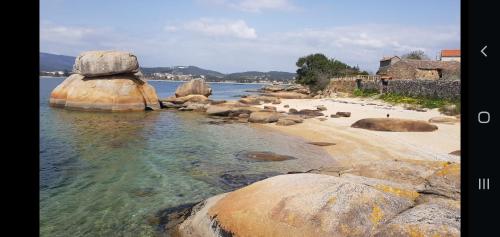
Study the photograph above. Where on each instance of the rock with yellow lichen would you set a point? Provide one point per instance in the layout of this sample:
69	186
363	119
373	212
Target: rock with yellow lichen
435	218
324	205
444	182
298	205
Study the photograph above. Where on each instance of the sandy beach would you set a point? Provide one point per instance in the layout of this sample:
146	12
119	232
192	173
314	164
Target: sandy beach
357	145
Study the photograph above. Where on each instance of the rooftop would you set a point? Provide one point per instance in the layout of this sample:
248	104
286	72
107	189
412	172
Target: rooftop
450	53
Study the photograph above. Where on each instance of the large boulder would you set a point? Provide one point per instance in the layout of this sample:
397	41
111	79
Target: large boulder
298	205
193	87
264	117
394	125
104	63
110	93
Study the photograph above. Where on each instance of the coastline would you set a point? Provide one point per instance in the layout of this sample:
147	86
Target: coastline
375	172
357	145
222	82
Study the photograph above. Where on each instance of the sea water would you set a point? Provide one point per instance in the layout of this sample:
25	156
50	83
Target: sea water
106	174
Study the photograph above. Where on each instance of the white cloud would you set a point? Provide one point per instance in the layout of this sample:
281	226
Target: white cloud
364	45
171	28
211	27
232	50
51	32
260	5
254	5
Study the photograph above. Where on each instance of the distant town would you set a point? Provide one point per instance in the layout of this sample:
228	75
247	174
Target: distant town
52	65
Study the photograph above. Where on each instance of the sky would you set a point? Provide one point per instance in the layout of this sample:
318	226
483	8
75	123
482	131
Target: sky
250	35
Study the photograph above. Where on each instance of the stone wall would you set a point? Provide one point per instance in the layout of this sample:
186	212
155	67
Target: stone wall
342	85
444	89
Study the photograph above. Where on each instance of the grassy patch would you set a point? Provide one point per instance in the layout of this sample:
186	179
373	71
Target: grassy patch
364	93
446	106
424	102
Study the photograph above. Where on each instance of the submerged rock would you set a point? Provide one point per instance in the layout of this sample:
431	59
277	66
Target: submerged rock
235	181
167	220
262	156
394	125
144	192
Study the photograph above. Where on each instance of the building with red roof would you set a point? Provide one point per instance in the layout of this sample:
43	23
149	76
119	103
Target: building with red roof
450	55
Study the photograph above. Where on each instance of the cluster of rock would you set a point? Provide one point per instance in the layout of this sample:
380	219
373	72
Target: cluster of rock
190	96
242	112
105	81
193	96
286	91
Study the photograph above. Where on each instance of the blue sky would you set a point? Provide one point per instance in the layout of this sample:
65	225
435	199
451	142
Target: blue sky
242	35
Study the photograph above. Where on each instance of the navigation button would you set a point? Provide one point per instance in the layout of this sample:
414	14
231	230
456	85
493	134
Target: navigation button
483	117
484	184
484	53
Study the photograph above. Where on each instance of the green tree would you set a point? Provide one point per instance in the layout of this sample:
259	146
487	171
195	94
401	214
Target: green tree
417	54
316	70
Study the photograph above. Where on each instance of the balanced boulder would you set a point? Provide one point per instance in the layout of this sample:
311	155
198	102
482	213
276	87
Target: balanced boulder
104	63
116	89
194	87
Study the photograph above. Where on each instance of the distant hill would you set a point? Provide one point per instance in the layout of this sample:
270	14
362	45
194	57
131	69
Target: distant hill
182	70
54	62
271	75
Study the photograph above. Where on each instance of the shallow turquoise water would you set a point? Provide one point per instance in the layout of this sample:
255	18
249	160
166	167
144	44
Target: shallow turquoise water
104	174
